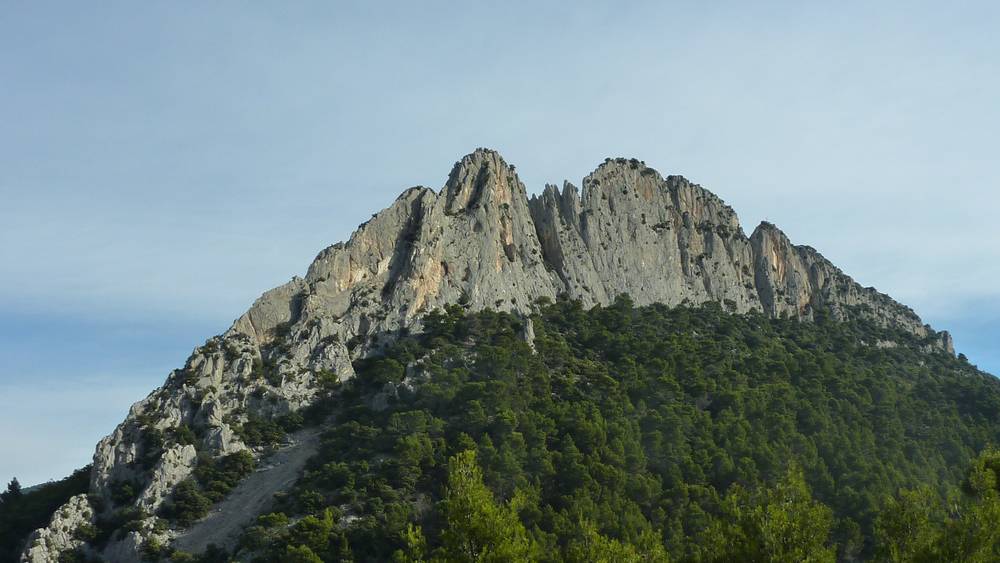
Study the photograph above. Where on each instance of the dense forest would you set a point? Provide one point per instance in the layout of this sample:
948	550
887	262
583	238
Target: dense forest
627	433
649	433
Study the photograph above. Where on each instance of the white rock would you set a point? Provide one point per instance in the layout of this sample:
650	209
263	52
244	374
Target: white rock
48	544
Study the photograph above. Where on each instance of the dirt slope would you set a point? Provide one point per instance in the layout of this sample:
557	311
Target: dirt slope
227	519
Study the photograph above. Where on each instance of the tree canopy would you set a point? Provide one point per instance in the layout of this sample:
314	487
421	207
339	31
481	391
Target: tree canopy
629	433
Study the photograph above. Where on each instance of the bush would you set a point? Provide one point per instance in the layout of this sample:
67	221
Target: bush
211	481
188	503
85	533
123	492
257	432
184	435
300	554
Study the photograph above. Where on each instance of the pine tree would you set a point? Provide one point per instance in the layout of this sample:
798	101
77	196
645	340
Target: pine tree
781	525
592	547
478	528
13	490
905	530
300	554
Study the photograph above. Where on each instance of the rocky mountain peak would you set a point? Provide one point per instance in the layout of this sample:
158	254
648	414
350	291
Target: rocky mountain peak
482	242
481	178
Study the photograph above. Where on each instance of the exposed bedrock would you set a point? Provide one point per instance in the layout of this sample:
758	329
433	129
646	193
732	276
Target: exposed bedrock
480	241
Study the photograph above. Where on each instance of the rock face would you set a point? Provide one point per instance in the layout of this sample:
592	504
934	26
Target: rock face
480	241
48	544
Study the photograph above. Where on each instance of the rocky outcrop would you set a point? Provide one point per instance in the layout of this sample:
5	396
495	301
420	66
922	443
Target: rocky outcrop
64	534
480	241
658	240
794	281
475	242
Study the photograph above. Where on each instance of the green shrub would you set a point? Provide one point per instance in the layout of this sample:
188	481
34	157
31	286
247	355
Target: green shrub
188	503
211	481
184	435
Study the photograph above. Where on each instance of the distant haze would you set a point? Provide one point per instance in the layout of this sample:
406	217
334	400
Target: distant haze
163	164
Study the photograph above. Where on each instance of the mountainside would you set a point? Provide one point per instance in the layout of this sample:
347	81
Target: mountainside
480	242
639	428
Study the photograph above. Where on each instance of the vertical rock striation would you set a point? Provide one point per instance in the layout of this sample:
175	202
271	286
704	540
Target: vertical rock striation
631	231
479	241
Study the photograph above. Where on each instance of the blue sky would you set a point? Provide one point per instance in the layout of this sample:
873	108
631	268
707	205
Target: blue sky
162	164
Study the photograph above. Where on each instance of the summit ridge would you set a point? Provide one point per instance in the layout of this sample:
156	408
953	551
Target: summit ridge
480	241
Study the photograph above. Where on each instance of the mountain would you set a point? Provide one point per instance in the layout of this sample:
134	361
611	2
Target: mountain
480	242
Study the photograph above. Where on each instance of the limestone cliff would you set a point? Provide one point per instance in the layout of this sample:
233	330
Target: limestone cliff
481	241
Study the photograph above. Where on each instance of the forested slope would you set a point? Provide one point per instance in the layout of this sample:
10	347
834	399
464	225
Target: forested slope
708	398
645	433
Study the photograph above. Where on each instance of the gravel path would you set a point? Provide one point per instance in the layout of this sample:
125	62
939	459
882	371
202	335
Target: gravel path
251	497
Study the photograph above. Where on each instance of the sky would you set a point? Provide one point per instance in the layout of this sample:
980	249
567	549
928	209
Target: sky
162	164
